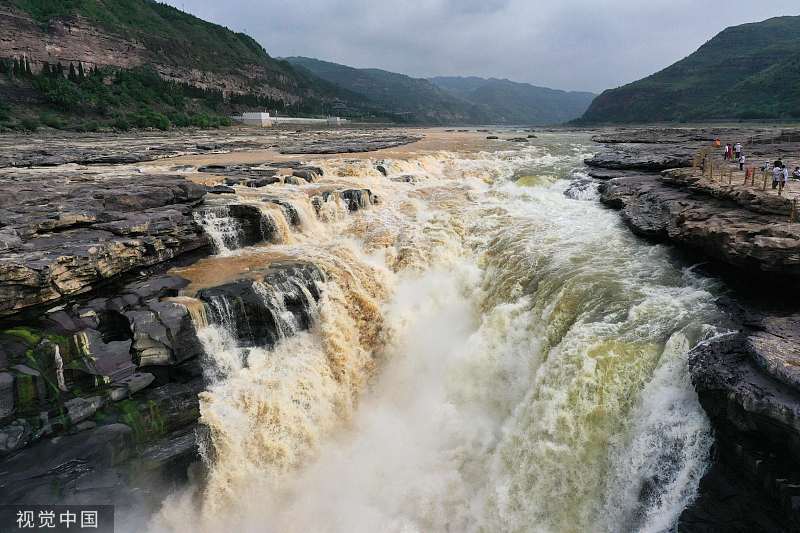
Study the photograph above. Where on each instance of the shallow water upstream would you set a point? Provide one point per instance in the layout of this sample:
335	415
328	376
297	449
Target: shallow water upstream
488	354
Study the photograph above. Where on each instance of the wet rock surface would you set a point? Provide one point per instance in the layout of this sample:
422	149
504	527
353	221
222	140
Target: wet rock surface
100	360
754	408
263	310
716	228
747	381
62	236
52	149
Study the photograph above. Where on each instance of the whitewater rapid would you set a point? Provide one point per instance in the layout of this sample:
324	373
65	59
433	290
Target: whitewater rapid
489	354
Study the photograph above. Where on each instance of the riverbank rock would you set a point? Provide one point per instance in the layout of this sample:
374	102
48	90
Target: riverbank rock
715	228
748	386
747	381
644	157
72	234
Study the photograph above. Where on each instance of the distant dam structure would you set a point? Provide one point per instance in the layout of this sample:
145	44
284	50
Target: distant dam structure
264	120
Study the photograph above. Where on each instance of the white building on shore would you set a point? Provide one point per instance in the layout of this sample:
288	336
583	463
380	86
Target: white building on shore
264	120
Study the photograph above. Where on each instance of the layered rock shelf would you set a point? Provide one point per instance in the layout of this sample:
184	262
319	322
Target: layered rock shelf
62	235
712	226
104	149
100	360
747	380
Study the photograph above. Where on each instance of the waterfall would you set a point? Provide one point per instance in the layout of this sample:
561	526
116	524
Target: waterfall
225	232
238	225
261	312
470	354
274	224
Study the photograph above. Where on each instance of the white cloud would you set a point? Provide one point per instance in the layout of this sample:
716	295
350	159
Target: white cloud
569	44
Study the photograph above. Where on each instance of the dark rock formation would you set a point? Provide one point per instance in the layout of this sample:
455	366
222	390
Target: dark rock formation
247	175
239	225
255	310
747	381
289	210
65	237
644	157
343	145
716	228
747	384
308	175
355	199
606	174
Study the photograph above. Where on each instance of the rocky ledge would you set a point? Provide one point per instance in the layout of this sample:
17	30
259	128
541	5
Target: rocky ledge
53	149
99	399
63	235
747	381
100	360
749	385
715	227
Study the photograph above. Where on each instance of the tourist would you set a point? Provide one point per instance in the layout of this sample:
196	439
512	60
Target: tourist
777	174
765	166
742	160
737	148
727	151
785	176
796	173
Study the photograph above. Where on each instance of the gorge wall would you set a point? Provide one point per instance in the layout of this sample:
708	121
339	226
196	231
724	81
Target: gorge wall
746	379
102	361
77	40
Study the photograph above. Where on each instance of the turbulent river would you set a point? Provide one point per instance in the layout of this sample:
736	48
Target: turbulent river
488	353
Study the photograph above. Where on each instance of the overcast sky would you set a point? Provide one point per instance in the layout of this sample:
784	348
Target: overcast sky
564	44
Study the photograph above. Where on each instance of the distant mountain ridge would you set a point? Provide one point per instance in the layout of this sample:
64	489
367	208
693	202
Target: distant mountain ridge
452	99
93	64
751	71
514	102
144	63
410	99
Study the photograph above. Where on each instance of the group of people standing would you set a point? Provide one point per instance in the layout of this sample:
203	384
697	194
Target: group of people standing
734	153
780	173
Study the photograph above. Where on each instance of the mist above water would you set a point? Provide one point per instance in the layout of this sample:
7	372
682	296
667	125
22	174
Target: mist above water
488	354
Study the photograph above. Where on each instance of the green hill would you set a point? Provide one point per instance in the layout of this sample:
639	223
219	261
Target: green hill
452	100
89	63
518	103
413	99
750	71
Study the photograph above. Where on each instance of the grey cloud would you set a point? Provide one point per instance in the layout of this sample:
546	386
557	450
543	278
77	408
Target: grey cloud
568	44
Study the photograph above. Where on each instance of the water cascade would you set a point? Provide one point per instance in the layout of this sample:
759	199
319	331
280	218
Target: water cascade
475	352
